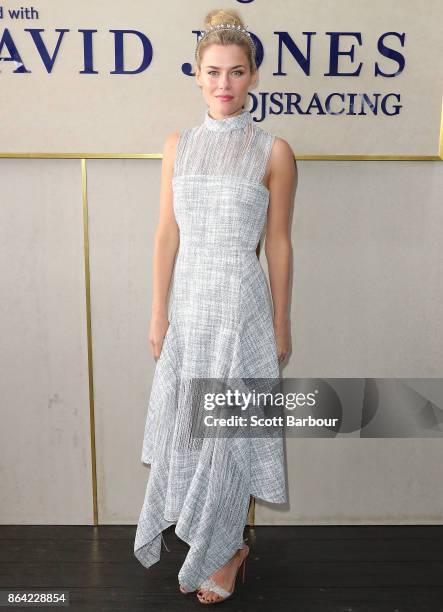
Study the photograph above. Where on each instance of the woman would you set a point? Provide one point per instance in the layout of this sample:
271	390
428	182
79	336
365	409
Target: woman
221	181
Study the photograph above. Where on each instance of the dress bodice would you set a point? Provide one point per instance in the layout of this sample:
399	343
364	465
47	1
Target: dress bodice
219	196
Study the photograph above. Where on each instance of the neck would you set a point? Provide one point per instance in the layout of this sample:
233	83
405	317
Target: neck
234	114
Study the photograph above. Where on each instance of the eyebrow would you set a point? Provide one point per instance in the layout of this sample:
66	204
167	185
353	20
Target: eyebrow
238	66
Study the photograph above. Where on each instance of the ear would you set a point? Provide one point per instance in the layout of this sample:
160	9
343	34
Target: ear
197	77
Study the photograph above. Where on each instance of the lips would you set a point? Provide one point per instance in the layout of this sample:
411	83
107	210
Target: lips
225	97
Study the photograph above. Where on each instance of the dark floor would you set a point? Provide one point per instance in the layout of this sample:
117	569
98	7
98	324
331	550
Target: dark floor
305	569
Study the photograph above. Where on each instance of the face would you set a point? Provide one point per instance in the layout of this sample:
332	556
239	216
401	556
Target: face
225	78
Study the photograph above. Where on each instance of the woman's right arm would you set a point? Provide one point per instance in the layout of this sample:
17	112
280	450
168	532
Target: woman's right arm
165	248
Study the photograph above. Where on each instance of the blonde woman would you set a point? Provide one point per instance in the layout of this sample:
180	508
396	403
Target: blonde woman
221	182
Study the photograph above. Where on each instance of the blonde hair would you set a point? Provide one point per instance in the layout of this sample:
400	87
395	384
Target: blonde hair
225	37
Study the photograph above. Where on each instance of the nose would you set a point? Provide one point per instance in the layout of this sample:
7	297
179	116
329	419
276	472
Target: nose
224	82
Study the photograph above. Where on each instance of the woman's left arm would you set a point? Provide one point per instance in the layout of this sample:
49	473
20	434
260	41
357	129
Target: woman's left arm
282	187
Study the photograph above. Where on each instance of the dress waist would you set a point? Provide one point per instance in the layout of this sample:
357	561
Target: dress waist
187	246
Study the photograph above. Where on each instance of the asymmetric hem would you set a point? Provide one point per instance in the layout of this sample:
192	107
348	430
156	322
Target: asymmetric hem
220	326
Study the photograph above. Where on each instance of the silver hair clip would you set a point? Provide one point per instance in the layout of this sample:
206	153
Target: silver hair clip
229	27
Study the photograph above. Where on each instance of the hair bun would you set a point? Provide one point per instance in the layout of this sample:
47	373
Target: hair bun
235	33
217	16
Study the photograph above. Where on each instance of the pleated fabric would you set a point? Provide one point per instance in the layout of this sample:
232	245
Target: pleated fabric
220	326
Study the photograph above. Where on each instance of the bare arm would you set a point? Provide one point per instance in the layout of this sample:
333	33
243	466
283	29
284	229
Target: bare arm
282	188
165	248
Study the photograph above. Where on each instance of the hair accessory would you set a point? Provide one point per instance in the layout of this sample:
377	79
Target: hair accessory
229	27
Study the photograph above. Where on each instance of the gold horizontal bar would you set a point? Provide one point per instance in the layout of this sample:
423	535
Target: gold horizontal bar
160	156
85	155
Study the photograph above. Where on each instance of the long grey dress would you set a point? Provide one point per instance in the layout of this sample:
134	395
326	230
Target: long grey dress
220	325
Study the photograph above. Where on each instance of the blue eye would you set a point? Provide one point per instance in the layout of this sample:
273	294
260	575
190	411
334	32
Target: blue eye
239	72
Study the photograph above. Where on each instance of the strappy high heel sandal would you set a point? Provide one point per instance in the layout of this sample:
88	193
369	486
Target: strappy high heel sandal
212	586
184	591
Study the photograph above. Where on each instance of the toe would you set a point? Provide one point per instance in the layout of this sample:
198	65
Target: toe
213	596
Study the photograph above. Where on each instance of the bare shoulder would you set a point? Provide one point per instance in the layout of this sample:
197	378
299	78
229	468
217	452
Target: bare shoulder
169	148
282	162
282	152
171	140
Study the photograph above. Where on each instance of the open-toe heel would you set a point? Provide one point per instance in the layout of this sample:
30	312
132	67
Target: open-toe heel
223	594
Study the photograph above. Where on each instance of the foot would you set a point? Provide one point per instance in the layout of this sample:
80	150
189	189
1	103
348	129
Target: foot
184	591
224	577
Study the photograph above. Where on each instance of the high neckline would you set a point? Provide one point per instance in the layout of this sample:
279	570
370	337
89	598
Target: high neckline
228	123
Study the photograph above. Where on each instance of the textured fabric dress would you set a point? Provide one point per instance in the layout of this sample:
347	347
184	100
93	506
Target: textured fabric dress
220	326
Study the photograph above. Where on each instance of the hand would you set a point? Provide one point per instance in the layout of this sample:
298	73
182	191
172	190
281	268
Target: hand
157	332
281	330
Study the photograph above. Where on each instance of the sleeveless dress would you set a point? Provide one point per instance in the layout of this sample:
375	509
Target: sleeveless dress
220	326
